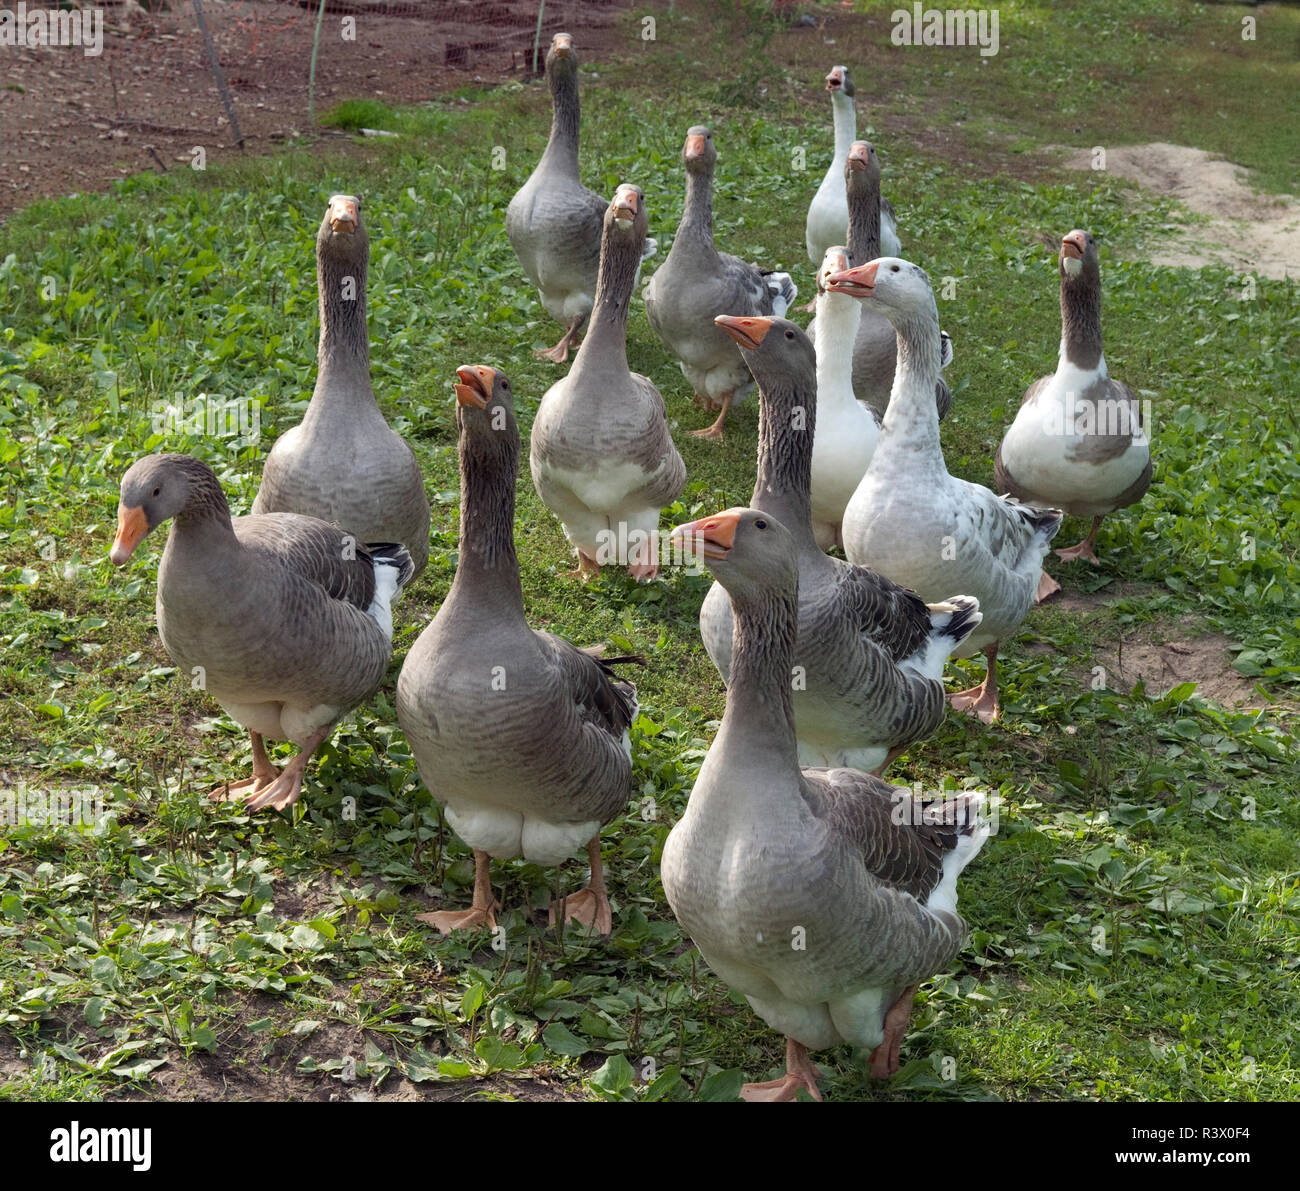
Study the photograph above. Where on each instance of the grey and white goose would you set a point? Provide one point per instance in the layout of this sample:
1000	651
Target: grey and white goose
343	463
874	349
697	282
870	653
913	521
522	737
828	213
601	455
554	221
285	620
1077	442
824	896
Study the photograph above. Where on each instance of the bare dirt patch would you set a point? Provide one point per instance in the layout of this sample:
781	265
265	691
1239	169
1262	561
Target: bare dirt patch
1160	659
1245	230
71	122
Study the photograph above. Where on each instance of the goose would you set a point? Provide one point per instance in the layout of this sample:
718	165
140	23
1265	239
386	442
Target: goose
874	349
697	282
554	221
909	519
828	213
824	896
846	428
1078	441
343	463
870	653
522	737
284	619
601	455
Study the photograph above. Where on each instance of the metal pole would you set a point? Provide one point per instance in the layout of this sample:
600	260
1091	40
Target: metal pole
216	73
311	78
537	37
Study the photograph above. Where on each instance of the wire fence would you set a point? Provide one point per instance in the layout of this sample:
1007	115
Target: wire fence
170	76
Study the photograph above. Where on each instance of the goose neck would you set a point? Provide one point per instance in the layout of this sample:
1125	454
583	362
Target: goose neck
844	119
487	570
838	317
912	413
606	341
1081	322
787	422
562	145
343	353
696	228
864	222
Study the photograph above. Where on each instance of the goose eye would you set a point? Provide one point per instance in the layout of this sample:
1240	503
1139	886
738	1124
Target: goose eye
156	491
893	268
760	524
789	334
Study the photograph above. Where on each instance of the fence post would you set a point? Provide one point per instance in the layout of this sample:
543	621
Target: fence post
311	77
537	37
216	74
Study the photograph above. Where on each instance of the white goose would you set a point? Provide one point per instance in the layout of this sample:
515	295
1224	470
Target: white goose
1078	439
828	213
847	430
910	519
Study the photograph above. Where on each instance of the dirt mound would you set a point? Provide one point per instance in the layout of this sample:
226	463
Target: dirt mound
1247	231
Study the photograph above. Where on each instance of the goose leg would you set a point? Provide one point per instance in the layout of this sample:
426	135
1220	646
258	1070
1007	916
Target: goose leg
589	906
264	773
587	569
885	1058
287	788
897	751
715	431
1047	587
481	910
982	700
799	1073
560	352
1084	549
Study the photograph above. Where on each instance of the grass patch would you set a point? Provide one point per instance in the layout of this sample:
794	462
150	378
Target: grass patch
1135	917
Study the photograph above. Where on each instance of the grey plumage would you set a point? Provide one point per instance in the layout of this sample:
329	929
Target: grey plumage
343	463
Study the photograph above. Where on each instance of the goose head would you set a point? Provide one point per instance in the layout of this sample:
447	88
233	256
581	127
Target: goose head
342	234
485	404
748	551
839	83
777	352
1079	257
562	58
698	154
155	488
862	167
626	215
893	287
834	260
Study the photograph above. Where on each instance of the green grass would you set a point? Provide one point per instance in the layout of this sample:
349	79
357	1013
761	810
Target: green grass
1134	919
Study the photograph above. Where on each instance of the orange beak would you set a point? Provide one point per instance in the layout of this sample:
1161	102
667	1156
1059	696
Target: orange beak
132	526
562	45
835	80
475	386
694	147
1074	245
344	214
857	283
859	153
748	332
711	537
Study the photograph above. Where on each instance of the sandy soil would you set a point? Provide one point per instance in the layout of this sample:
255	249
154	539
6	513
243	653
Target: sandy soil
1246	231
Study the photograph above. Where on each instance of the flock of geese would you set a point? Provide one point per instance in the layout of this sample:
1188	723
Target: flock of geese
809	884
